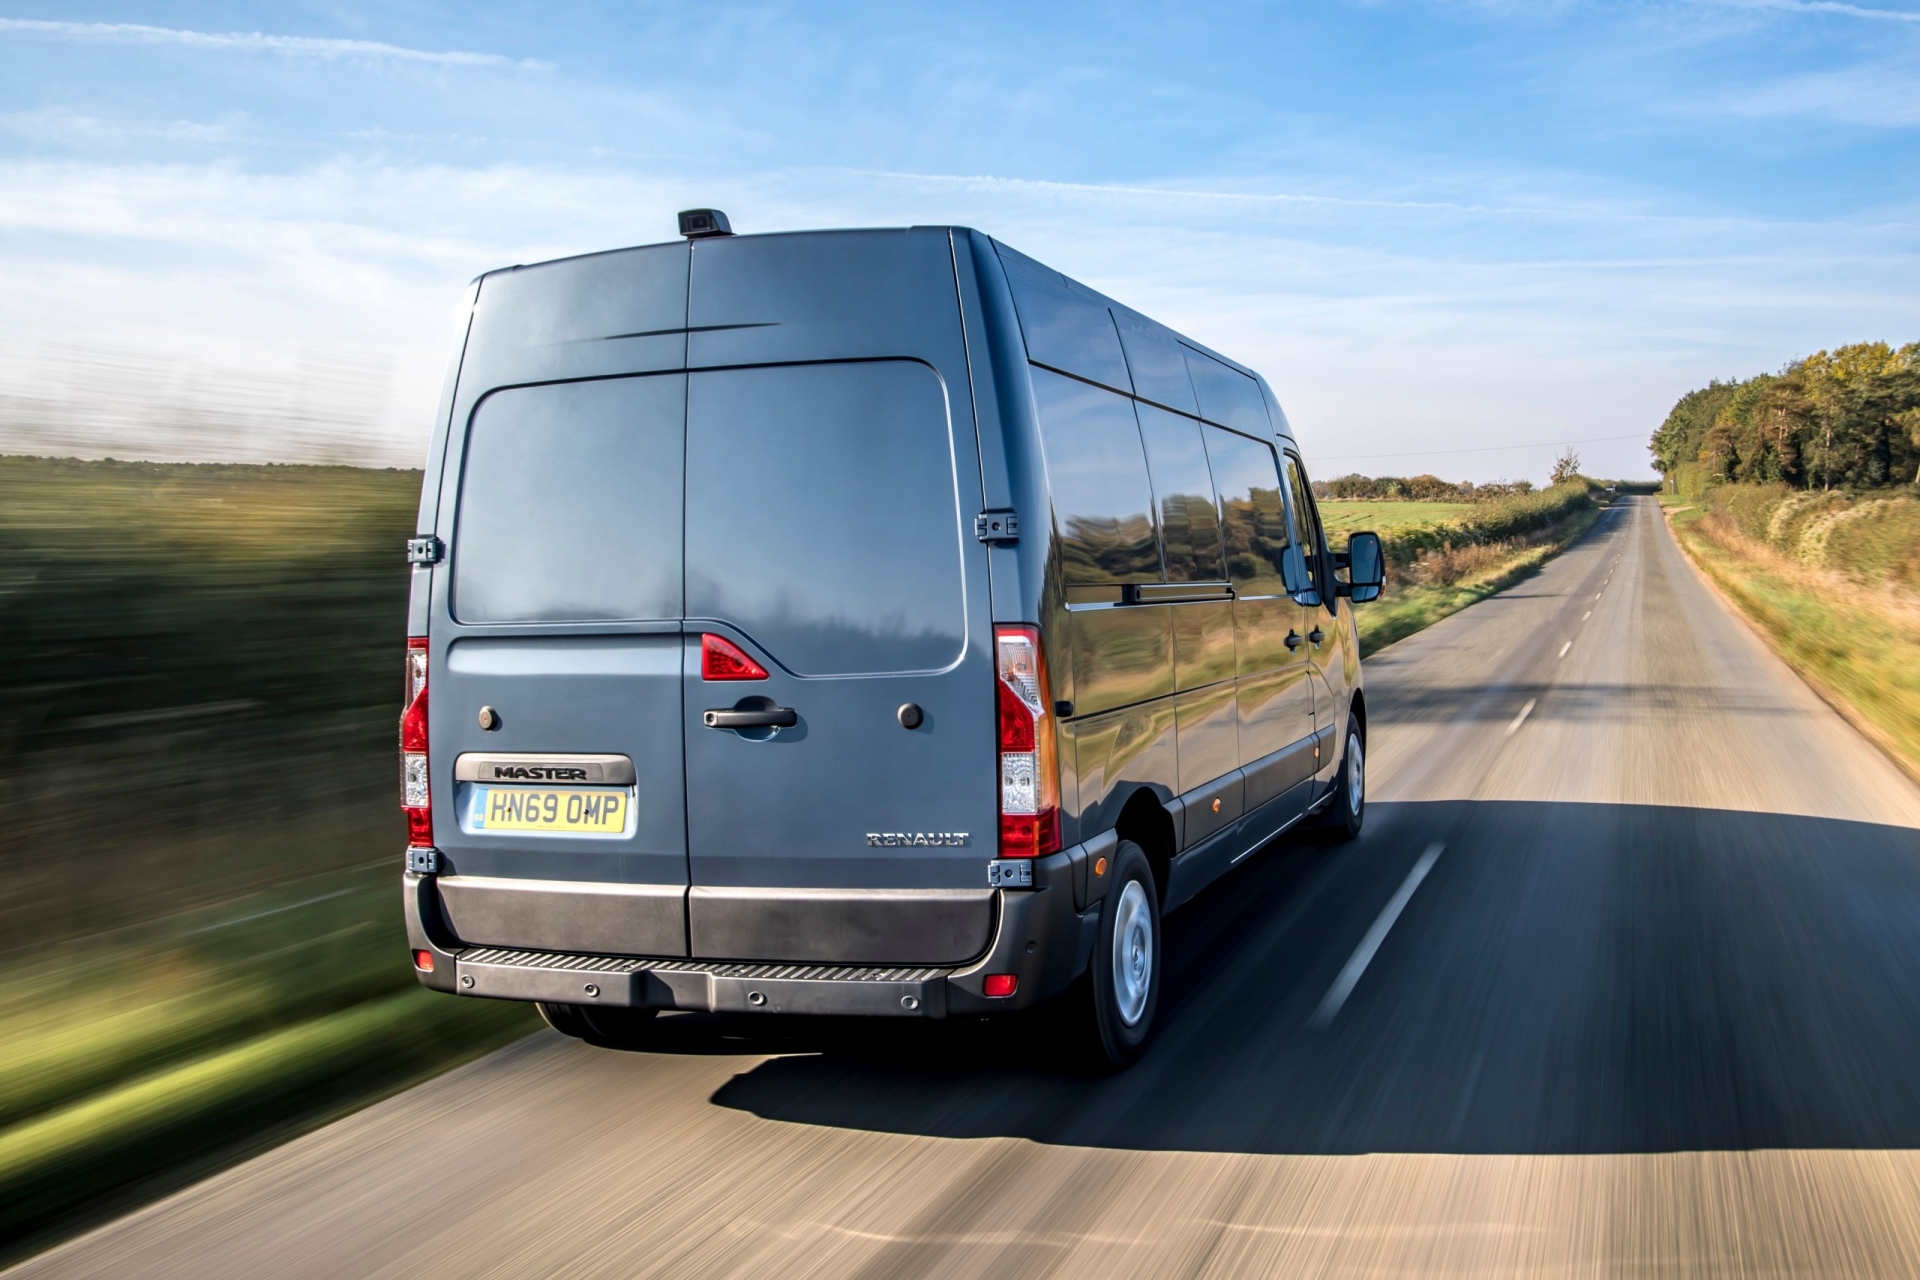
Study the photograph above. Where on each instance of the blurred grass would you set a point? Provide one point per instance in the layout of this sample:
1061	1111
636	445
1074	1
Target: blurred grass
199	681
1828	578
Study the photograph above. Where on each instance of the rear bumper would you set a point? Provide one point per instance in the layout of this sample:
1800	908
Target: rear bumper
689	984
1043	936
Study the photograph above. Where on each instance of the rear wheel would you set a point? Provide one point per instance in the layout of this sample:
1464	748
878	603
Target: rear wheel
1123	983
604	1028
1349	808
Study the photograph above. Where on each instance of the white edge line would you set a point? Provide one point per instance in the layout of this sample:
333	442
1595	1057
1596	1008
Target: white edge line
1363	954
270	911
1521	718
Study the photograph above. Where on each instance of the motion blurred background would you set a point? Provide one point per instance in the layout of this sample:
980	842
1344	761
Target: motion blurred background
1458	238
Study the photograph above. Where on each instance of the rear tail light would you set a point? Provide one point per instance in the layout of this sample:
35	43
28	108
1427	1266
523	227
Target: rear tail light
1029	777
415	799
997	984
722	659
423	961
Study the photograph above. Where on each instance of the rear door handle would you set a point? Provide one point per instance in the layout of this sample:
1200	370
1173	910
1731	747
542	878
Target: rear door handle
1316	635
1293	640
728	718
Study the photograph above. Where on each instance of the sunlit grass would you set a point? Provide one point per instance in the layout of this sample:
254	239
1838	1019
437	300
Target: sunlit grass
1344	516
148	1122
231	513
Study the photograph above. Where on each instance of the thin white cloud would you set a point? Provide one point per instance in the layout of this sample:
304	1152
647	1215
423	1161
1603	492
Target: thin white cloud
1824	6
64	128
1880	97
323	47
1569	212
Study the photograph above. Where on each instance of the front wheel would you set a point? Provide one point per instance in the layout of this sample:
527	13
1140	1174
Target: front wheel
1349	808
1124	979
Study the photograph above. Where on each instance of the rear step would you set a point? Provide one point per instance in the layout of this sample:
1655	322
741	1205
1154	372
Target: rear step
703	985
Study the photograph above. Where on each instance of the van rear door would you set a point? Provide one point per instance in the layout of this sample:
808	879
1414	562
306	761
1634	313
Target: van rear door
560	812
829	507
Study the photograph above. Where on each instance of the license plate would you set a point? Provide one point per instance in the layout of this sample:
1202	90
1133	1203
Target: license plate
539	809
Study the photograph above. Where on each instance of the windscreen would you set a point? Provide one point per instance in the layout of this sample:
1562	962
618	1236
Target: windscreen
822	518
570	503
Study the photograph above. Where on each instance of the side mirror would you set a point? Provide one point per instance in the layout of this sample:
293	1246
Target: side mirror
1366	568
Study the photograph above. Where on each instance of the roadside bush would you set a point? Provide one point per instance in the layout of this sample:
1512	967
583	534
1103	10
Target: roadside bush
1420	488
1873	537
1509	521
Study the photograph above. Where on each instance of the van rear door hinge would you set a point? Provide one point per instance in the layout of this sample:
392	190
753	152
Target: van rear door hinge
997	528
427	550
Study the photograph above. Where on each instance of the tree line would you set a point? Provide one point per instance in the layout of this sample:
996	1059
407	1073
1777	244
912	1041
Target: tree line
1846	418
1421	488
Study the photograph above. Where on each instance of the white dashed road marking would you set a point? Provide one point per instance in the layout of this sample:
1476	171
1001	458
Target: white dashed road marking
1521	718
1363	954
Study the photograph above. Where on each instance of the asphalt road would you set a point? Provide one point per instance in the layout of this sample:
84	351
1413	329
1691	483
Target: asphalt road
1653	1007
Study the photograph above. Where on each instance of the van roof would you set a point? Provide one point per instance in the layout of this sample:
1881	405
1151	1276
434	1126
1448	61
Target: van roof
1000	245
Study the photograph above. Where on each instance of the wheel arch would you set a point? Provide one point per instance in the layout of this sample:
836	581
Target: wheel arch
1146	822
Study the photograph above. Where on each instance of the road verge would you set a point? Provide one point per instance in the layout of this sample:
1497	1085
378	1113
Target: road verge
1855	643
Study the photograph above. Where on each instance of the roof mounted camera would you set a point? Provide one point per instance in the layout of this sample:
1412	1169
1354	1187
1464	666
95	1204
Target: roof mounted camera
698	224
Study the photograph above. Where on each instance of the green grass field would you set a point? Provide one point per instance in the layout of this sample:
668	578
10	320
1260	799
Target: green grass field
1344	517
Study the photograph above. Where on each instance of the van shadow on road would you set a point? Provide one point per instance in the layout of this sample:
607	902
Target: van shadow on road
1571	978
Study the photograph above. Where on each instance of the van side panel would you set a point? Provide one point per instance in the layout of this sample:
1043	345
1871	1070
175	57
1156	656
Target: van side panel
1121	752
1197	701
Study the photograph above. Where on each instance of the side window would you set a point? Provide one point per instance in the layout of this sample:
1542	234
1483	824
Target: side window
1063	326
1253	516
1304	566
1157	362
1227	396
1102	502
1183	485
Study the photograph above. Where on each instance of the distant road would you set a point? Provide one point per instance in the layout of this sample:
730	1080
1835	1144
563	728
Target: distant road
1628	983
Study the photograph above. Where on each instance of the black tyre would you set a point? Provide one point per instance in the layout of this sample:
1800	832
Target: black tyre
1348	809
564	1018
614	1028
1123	983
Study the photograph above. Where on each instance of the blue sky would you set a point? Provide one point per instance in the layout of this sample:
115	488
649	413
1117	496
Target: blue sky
1438	228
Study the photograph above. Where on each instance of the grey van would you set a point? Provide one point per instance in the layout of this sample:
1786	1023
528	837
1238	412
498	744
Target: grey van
853	622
